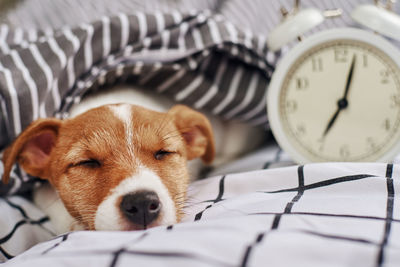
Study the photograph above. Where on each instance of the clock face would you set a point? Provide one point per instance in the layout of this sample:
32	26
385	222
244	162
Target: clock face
340	101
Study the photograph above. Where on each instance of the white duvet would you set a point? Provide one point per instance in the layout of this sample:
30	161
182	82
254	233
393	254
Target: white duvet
327	214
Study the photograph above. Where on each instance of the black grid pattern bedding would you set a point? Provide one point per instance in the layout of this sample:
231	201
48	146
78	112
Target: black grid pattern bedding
327	214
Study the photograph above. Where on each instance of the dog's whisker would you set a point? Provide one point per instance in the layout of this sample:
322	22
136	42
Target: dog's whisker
169	135
164	123
175	132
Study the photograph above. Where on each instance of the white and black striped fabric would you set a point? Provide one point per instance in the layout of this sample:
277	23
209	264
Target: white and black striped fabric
198	59
331	214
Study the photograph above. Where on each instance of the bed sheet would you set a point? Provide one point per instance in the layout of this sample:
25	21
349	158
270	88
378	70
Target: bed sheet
325	214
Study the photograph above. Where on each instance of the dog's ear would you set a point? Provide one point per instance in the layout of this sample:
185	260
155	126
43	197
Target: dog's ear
32	149
196	130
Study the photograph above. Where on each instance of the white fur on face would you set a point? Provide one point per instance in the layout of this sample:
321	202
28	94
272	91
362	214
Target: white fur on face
108	215
124	113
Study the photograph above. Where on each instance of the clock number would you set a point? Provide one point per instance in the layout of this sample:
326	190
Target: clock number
365	60
301	83
394	101
317	64
291	106
384	76
344	151
341	55
321	145
300	129
371	144
387	125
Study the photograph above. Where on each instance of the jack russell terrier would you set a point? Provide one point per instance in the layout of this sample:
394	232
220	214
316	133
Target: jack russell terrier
114	166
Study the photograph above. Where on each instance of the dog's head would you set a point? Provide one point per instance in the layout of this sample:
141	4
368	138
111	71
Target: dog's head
116	167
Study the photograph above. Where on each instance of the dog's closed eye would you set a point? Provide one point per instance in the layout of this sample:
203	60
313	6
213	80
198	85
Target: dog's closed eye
161	154
89	163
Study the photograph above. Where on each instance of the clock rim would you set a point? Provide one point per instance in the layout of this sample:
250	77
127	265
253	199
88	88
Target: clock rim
293	55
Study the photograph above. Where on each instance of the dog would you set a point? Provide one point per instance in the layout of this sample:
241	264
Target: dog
117	165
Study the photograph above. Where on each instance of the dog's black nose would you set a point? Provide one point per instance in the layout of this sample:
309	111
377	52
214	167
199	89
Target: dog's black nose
141	207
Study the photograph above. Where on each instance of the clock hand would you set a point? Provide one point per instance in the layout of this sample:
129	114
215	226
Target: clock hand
349	78
342	103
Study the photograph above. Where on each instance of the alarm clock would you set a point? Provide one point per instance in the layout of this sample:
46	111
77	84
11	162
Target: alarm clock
335	96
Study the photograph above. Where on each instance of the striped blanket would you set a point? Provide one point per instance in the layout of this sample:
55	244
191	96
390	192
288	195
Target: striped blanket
199	59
